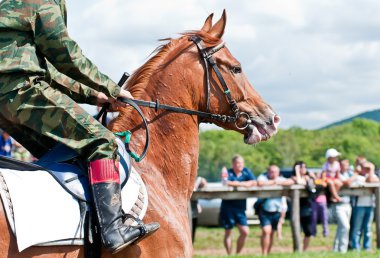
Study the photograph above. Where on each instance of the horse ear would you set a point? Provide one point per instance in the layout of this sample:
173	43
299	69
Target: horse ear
208	23
218	29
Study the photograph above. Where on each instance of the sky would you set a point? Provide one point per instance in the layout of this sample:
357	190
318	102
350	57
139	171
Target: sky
314	61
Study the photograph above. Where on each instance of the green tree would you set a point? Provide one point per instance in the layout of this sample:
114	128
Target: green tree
360	137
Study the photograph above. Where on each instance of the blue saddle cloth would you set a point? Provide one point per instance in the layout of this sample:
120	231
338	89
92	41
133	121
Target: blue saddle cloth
65	165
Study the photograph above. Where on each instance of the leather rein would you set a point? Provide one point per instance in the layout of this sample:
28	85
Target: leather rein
208	60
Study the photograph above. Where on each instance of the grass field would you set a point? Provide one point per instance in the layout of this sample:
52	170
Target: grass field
209	244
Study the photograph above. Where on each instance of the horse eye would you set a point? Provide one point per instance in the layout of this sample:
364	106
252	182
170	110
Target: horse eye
236	69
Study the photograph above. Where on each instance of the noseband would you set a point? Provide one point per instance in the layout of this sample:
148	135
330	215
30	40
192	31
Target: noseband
208	60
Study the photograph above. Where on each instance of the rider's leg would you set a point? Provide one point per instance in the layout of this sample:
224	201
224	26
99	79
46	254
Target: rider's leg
48	112
40	115
105	183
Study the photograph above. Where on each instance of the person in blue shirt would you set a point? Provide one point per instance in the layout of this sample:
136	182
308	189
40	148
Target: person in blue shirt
232	212
5	144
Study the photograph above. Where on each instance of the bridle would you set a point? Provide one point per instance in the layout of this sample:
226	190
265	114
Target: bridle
208	60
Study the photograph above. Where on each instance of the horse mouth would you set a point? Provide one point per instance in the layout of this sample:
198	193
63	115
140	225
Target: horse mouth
255	134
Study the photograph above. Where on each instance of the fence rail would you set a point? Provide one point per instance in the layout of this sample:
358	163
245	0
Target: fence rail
294	192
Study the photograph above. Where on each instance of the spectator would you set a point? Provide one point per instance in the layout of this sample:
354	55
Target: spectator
302	177
363	209
200	183
5	144
360	159
232	212
319	209
330	178
342	210
358	163
270	211
330	173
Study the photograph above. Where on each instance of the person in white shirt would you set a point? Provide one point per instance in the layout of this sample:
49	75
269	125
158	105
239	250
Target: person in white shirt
270	211
342	210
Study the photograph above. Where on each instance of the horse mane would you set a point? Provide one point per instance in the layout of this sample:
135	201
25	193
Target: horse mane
163	55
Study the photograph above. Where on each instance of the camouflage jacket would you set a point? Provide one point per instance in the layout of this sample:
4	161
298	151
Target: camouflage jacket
77	91
33	31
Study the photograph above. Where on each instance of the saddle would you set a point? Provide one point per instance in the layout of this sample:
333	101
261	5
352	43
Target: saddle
54	191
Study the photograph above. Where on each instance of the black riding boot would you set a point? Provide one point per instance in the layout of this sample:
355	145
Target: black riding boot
105	184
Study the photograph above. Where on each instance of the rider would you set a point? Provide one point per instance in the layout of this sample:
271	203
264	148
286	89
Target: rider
39	104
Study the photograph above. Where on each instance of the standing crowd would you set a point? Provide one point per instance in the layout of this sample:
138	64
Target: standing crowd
353	215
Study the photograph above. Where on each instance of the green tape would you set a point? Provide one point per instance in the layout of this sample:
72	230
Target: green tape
134	156
128	135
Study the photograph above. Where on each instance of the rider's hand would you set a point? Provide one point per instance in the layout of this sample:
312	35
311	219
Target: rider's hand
125	94
117	103
101	98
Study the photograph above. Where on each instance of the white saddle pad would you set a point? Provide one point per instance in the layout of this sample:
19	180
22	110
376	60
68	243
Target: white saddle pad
41	212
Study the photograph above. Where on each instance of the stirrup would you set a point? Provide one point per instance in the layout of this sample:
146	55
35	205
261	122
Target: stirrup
144	232
140	223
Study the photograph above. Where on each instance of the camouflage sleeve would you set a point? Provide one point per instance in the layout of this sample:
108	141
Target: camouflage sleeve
53	41
77	91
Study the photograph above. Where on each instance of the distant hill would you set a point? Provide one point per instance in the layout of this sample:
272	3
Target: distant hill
371	115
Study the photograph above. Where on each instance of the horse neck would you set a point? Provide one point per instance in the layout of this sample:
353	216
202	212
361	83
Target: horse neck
172	159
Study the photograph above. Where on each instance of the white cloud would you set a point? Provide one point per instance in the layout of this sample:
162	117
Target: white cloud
314	61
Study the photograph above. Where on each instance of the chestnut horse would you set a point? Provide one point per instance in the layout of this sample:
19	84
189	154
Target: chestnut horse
175	76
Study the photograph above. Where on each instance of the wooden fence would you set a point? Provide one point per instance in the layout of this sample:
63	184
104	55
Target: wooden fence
294	192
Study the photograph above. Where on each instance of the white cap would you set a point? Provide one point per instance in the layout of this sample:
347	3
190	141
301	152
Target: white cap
332	153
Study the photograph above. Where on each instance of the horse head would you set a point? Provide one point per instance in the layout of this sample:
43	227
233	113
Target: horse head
177	75
257	120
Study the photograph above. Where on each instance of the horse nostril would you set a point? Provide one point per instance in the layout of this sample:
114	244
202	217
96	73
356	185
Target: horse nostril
276	119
